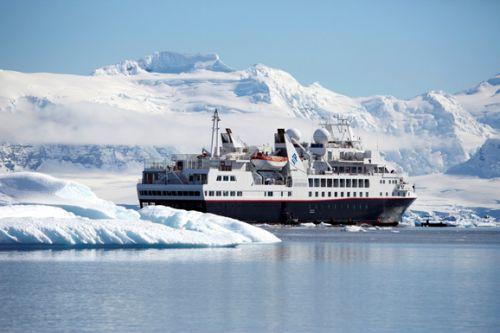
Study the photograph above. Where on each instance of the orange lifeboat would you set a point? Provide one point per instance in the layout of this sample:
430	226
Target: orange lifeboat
262	161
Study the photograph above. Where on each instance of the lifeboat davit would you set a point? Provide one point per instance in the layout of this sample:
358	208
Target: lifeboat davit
268	162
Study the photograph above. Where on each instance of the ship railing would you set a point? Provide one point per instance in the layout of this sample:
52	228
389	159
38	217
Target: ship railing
156	164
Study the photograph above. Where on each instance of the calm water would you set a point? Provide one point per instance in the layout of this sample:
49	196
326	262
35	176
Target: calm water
315	281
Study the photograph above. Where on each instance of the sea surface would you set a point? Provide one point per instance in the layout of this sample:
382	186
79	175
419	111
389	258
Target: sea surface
316	280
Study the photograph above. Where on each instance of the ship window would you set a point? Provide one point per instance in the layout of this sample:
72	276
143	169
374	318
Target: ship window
367	183
342	194
328	183
342	183
316	182
354	183
360	182
225	193
316	195
335	183
361	194
197	193
186	193
354	194
310	194
163	193
347	183
360	169
310	182
233	193
322	194
380	193
329	194
289	194
218	193
341	169
386	194
210	193
348	194
239	194
225	178
335	194
366	194
219	178
323	182
233	178
270	194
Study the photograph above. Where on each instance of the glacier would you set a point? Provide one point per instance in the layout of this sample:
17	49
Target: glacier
40	210
170	96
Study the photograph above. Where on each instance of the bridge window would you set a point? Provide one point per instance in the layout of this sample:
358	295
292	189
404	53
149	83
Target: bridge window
367	183
360	182
323	182
354	183
347	183
316	182
342	183
329	183
233	178
335	183
310	182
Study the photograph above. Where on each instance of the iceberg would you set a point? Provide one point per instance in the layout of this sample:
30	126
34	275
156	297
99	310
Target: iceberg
39	210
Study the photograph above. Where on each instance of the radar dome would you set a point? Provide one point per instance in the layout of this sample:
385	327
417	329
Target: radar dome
321	135
294	133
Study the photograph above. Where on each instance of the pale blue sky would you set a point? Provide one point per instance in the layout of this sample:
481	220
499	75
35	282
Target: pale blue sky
358	48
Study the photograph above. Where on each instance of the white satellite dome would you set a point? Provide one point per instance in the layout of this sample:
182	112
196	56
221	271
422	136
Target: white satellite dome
294	133
321	135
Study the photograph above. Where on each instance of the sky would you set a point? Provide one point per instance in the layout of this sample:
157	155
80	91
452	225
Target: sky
358	48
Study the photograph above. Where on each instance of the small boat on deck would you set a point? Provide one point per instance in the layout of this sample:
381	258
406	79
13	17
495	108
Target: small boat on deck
262	161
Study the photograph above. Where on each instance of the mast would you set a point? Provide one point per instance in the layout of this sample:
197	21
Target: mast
214	149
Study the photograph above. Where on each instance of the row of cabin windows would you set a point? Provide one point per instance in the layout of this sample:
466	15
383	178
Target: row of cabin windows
354	169
337	194
271	193
389	181
226	178
328	182
171	193
224	193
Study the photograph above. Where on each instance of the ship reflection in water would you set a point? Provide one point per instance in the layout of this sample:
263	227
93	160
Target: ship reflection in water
315	280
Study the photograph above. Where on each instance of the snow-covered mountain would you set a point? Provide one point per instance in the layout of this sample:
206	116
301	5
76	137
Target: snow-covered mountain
166	98
483	101
50	157
485	163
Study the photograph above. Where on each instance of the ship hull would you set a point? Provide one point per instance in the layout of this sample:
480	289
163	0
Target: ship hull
376	211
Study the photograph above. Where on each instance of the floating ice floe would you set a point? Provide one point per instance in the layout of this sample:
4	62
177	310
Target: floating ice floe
36	209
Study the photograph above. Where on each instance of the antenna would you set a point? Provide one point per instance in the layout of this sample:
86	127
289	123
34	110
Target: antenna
214	149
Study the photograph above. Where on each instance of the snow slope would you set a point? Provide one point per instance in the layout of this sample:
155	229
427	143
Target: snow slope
167	98
483	101
37	209
485	163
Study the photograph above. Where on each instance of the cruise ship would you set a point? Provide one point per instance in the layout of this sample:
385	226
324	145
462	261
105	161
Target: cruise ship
330	180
